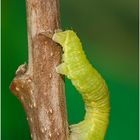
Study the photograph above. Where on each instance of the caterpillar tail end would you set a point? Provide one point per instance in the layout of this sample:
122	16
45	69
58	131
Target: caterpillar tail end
59	37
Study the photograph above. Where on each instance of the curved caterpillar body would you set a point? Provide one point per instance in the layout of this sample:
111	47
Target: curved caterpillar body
89	83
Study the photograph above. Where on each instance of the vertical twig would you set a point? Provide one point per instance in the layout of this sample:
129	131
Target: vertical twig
39	88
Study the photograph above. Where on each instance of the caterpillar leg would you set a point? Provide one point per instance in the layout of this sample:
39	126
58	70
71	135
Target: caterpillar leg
62	69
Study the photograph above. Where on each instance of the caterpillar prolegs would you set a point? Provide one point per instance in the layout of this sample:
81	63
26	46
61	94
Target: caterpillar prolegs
89	83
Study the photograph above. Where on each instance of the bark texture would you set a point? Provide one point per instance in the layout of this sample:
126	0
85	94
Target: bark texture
39	88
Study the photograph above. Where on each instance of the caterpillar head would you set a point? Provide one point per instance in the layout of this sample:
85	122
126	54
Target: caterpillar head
63	37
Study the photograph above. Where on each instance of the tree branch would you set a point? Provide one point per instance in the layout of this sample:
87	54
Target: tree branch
39	88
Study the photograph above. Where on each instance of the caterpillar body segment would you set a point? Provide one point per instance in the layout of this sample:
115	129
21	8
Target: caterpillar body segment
89	83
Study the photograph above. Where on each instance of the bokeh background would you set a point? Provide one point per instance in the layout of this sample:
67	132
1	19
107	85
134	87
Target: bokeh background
109	32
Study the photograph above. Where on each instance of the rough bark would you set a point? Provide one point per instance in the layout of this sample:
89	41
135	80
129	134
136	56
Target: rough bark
39	88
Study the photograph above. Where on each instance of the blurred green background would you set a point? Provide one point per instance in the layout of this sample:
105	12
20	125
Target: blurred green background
109	32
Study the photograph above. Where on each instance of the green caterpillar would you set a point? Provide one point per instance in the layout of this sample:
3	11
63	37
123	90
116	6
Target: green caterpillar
89	83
